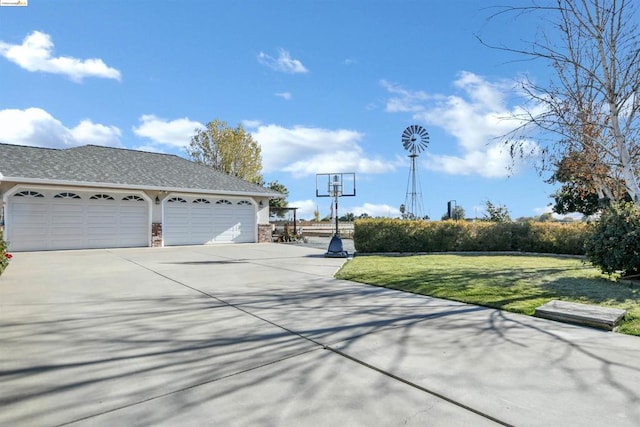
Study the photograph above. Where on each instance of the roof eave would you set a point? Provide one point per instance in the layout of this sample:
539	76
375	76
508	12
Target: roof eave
41	181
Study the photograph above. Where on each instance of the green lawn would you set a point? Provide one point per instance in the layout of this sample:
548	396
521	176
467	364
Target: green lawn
513	283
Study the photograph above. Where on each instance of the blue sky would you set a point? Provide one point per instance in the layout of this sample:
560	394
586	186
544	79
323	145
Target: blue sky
323	86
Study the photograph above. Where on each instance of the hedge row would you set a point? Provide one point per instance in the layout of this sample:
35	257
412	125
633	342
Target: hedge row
396	235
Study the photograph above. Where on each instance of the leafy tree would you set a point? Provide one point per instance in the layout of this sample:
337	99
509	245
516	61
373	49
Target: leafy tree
457	213
591	103
364	215
230	150
316	215
348	217
585	182
546	217
496	213
276	204
403	211
569	198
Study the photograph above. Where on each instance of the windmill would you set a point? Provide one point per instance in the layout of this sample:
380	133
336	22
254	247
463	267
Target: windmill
415	139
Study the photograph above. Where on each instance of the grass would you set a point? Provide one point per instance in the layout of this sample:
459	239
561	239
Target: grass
513	283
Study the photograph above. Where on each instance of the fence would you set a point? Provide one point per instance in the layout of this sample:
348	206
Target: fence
318	228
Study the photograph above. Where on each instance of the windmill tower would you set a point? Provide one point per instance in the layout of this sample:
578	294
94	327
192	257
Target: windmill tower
415	139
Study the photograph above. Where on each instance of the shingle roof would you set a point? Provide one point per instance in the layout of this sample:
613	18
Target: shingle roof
120	167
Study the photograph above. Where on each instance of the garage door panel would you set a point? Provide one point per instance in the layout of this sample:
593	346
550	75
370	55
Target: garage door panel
26	217
207	220
102	218
76	220
59	211
65	243
21	209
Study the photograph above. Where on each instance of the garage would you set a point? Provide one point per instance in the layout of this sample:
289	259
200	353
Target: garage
197	220
51	219
90	197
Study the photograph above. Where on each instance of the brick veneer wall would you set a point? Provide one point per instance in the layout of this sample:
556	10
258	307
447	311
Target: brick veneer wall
264	233
156	235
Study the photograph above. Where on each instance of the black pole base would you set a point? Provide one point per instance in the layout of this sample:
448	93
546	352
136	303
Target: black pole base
335	248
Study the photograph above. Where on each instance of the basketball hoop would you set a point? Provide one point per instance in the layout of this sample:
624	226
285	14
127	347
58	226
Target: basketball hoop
336	185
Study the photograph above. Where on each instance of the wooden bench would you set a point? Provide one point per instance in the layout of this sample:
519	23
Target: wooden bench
581	314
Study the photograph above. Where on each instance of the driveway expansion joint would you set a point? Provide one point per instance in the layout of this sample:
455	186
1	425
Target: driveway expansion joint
325	347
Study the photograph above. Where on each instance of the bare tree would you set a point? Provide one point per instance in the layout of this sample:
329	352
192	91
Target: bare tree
592	102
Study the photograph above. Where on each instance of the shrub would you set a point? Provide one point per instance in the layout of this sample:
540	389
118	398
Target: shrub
396	235
4	260
614	241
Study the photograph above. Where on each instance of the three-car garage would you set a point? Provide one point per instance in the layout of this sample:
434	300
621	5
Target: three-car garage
52	219
93	197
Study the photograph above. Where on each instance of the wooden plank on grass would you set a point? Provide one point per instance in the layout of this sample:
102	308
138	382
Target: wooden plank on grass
581	314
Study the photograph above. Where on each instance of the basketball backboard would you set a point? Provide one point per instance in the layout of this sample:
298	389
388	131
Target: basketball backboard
335	184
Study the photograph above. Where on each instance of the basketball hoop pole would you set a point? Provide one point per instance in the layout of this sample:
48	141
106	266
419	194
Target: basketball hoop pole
336	193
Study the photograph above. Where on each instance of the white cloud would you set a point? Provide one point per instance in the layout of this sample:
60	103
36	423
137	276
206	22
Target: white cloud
306	150
173	133
284	95
283	62
35	54
491	161
404	101
478	117
548	209
36	127
94	133
251	124
306	208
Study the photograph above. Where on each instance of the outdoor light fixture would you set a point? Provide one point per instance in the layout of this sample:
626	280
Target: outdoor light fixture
157	200
261	204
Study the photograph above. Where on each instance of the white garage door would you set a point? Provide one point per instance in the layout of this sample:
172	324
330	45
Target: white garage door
193	220
48	220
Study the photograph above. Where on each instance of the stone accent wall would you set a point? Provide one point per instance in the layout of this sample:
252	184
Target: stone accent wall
264	233
156	234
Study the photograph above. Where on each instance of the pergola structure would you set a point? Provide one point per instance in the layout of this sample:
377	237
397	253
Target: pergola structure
295	218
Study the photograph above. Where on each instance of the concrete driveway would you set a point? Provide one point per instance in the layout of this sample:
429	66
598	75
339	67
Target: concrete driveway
262	335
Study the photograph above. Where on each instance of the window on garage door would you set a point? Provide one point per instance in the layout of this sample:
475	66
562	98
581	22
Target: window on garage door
67	195
133	198
28	194
101	197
